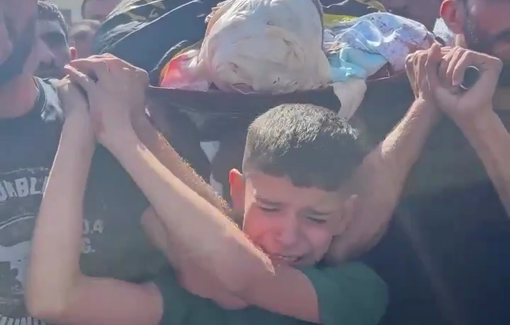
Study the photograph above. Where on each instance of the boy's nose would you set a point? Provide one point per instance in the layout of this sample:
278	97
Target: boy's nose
288	233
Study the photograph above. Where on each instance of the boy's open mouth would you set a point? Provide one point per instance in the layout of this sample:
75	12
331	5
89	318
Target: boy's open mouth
280	258
285	258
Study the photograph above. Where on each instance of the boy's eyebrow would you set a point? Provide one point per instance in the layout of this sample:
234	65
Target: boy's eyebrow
319	213
307	210
267	201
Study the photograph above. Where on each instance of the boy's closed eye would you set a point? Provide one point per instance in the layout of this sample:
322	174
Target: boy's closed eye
312	216
267	205
316	219
315	216
268	209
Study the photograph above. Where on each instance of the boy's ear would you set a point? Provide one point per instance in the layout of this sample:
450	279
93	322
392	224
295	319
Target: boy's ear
237	191
348	211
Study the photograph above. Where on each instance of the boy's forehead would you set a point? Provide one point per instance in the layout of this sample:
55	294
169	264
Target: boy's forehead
281	190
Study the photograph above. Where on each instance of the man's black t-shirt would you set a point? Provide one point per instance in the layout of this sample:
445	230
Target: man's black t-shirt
114	243
446	255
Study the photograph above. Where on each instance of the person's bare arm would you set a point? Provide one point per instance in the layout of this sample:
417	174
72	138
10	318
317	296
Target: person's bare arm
191	277
488	136
123	88
382	175
199	231
166	154
194	279
57	291
473	113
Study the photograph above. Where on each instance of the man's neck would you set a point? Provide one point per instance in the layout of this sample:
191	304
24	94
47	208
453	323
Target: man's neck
18	97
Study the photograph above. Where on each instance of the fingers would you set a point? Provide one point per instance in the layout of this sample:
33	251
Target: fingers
419	71
445	50
94	67
81	79
433	60
454	64
409	65
487	65
451	60
422	70
142	77
107	69
490	70
413	70
461	62
444	64
441	71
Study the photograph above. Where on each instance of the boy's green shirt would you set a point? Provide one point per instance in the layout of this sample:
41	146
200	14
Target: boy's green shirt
349	294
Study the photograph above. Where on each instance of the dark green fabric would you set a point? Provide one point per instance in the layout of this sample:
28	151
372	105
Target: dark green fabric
351	294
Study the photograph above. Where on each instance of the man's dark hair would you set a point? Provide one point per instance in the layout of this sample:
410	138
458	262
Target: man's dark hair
47	10
310	145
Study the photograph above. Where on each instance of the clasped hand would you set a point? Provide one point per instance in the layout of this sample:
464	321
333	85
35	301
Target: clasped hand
112	95
437	73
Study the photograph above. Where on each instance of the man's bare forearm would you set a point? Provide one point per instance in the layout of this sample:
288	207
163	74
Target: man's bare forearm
153	224
57	242
166	154
200	231
488	136
380	179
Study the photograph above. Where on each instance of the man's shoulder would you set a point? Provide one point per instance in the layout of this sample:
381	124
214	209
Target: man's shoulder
51	107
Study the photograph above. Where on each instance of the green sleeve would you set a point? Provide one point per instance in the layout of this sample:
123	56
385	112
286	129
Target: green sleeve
177	302
349	294
183	308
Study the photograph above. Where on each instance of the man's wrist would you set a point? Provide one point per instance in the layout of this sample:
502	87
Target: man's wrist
119	138
426	108
425	103
77	131
475	123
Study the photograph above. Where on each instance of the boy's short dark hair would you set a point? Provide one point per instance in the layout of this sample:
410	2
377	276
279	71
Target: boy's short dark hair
310	145
47	10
